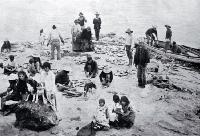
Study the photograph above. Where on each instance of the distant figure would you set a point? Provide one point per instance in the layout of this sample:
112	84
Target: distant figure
128	45
168	37
106	76
141	59
151	33
91	68
76	35
86	39
11	66
54	39
101	117
97	25
175	48
82	20
6	47
42	37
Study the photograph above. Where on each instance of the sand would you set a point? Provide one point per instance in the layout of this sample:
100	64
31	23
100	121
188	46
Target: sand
158	111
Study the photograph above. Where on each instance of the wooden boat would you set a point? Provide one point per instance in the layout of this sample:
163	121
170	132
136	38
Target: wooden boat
185	54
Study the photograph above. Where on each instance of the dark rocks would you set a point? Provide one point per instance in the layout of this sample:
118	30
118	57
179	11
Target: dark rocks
35	116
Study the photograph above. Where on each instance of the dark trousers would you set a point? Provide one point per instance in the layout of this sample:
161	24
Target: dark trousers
141	75
97	31
129	52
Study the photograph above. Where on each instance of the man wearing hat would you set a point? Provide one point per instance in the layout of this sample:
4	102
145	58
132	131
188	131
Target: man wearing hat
97	25
151	33
141	59
168	36
128	45
54	39
106	76
82	20
91	68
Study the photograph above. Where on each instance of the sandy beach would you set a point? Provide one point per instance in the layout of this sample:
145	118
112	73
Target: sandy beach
166	112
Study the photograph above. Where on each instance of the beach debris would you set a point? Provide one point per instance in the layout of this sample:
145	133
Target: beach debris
170	127
80	60
34	116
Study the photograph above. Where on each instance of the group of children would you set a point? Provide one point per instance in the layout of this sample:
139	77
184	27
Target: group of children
121	115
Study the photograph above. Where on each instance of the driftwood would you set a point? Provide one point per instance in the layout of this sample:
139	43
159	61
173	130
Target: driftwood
175	56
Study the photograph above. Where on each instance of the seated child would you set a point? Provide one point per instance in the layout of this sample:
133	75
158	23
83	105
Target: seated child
11	66
115	109
106	76
101	118
89	85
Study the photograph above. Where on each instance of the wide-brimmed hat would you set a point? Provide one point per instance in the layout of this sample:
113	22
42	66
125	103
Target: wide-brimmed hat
97	13
129	30
12	77
80	14
167	26
106	69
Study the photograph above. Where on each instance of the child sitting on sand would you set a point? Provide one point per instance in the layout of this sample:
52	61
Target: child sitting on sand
11	66
115	109
101	118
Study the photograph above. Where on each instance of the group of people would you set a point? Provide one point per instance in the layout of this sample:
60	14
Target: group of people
37	84
121	115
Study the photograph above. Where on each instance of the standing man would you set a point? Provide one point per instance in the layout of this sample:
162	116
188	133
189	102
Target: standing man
168	36
128	45
54	39
141	59
97	25
151	33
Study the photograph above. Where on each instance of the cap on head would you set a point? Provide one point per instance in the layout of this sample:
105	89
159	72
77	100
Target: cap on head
80	14
46	65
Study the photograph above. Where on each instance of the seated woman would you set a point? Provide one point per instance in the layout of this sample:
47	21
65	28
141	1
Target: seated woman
6	47
101	118
126	118
106	76
10	66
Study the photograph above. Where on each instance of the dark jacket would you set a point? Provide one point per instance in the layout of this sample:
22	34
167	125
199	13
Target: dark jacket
168	34
92	67
151	31
86	35
62	77
6	45
108	77
22	87
97	23
141	56
82	21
